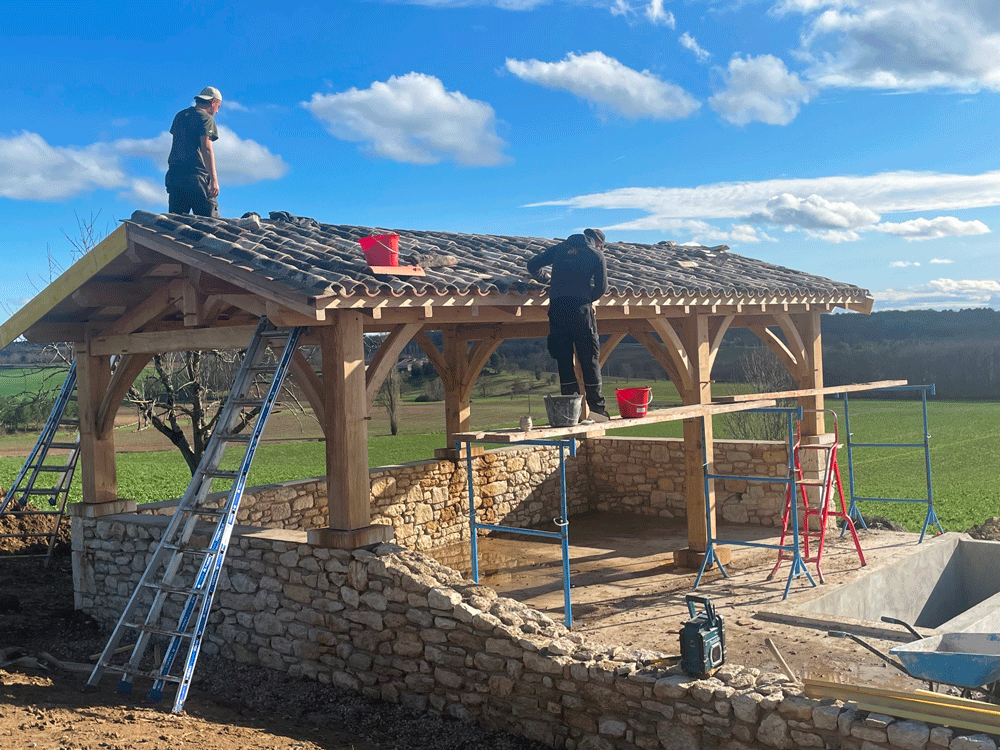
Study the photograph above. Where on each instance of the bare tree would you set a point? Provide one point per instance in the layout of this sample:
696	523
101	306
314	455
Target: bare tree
390	398
765	373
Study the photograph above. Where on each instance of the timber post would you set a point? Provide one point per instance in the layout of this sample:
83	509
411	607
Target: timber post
345	425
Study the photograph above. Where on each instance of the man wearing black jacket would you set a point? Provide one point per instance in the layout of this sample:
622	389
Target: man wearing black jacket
579	278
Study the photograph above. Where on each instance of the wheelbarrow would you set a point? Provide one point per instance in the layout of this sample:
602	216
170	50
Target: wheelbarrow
967	661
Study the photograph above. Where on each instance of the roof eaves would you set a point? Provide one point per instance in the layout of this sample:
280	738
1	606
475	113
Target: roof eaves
68	282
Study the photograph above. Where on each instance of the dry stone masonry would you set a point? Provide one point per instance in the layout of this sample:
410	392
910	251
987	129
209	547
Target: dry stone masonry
392	623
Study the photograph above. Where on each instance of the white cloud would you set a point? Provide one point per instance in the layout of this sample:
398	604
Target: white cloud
929	229
885	192
242	161
836	210
940	294
835	236
940	261
690	43
814	212
413	119
32	169
902	264
621	8
760	89
657	15
900	44
146	193
607	83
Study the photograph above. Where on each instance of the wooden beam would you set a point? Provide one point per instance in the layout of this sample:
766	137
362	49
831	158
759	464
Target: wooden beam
435	356
776	345
675	349
670	414
803	392
126	370
310	383
74	277
609	346
386	357
699	448
157	342
457	403
98	479
241	277
161	302
478	357
807	325
717	332
345	425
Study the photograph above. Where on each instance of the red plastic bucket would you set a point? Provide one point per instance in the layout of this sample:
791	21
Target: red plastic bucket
633	402
381	250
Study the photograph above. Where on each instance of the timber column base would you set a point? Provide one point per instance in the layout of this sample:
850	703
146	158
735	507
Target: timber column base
96	510
366	536
693	558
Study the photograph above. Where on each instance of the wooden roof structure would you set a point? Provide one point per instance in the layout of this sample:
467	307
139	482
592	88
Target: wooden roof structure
166	282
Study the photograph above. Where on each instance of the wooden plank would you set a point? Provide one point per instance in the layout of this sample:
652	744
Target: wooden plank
670	414
157	342
812	391
922	705
72	279
397	270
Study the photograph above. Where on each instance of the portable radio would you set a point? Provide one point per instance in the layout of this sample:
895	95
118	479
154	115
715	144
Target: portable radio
703	641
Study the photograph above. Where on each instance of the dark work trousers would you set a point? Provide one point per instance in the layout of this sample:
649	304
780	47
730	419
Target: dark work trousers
572	325
193	199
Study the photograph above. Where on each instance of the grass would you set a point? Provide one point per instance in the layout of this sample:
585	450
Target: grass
964	459
17	380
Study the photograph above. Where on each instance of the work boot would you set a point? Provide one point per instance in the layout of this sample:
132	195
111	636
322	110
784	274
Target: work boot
600	415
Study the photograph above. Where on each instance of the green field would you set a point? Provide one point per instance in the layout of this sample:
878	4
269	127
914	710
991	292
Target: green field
965	462
17	380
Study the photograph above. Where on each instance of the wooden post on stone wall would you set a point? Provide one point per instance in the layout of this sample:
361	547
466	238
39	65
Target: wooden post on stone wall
346	428
698	443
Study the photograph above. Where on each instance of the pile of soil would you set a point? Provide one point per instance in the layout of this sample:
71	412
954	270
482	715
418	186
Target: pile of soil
988	530
27	533
230	706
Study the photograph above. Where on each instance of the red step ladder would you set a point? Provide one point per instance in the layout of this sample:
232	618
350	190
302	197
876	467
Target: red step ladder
829	475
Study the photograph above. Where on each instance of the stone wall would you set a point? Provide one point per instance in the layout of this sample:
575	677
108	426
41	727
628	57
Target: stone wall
645	476
394	624
427	502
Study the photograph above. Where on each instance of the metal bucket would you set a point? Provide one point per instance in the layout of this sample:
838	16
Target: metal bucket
563	411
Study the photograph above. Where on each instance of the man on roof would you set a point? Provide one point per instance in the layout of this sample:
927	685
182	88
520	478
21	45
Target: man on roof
579	278
192	183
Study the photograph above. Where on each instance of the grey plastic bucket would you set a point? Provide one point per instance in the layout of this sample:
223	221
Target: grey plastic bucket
563	411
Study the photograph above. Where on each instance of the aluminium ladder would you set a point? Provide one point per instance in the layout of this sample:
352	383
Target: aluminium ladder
829	475
29	483
172	601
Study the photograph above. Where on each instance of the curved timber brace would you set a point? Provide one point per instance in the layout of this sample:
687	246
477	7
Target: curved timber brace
459	367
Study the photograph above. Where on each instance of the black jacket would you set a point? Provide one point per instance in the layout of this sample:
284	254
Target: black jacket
578	269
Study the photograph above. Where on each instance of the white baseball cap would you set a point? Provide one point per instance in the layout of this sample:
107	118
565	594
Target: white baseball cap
209	93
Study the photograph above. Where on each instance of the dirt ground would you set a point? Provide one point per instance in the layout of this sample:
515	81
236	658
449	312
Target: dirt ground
624	592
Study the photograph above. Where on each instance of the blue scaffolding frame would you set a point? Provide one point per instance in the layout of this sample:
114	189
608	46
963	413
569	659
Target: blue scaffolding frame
798	566
853	511
562	522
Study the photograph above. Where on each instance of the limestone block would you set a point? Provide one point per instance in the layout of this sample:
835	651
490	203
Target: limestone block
825	717
746	706
773	731
676	737
909	735
973	742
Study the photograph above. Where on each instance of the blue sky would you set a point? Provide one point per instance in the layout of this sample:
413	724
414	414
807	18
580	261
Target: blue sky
855	139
